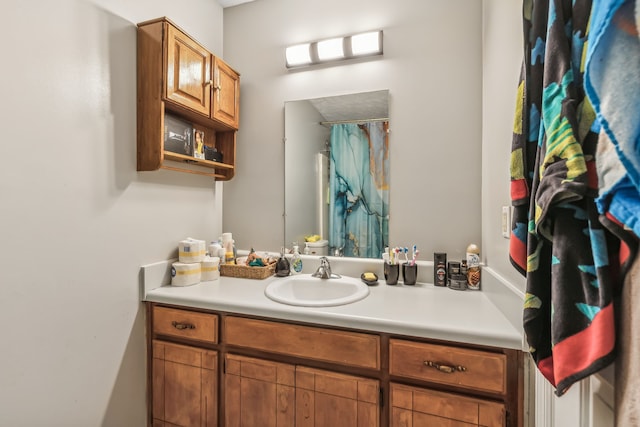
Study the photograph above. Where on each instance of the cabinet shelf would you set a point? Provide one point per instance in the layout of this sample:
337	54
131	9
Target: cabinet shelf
178	76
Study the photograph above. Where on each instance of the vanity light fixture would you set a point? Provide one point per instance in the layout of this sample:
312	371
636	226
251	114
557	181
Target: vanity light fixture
299	55
330	49
335	49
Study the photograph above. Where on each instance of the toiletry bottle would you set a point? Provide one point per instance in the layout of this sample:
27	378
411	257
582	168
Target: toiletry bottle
296	260
283	268
473	267
440	268
227	244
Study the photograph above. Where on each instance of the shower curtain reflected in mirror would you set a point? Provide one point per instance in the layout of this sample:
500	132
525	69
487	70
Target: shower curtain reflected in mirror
359	188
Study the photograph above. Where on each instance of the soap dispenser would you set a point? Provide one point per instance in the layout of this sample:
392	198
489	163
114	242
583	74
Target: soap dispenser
283	268
296	260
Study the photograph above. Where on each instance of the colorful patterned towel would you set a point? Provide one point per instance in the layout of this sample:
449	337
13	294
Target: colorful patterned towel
612	82
569	259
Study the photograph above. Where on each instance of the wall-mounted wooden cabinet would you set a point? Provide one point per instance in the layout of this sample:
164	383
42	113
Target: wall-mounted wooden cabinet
180	78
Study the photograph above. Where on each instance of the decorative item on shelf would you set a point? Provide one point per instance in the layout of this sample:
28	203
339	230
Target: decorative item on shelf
198	145
178	135
211	153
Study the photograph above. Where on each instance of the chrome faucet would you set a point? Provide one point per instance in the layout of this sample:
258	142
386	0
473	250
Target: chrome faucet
324	271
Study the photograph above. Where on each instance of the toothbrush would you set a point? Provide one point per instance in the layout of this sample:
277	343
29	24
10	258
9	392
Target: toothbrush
406	255
415	255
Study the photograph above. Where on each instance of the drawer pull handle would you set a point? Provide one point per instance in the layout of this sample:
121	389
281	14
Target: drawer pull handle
445	368
180	325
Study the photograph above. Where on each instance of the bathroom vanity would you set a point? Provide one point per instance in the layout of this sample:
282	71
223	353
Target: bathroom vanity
221	353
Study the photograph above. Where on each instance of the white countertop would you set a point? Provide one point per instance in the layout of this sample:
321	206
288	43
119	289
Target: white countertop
423	310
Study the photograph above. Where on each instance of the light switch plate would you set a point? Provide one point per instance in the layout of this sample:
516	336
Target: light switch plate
506	221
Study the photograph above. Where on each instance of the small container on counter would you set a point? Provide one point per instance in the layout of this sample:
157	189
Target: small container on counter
458	282
283	267
440	268
296	260
391	273
473	267
409	273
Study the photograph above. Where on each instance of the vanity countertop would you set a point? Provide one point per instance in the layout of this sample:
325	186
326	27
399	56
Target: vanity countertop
423	310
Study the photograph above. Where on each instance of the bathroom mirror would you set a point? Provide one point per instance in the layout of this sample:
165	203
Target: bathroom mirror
337	174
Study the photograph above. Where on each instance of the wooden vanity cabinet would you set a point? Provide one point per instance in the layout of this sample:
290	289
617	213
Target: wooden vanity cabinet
178	76
276	373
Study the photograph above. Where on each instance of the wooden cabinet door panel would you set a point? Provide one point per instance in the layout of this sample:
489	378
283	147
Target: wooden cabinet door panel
185	389
413	406
258	393
188	72
329	399
226	99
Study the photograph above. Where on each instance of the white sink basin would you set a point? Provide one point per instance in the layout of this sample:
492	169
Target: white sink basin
304	290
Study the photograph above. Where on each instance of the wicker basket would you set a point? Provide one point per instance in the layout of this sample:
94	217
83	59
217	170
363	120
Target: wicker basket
245	272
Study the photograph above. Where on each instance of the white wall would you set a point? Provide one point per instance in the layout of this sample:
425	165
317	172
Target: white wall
78	221
306	137
501	61
432	69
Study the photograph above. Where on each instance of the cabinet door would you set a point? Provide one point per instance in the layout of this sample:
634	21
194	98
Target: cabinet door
185	389
226	98
329	399
416	407
258	393
188	72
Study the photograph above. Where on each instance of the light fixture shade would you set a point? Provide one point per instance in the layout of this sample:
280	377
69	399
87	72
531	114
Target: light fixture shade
366	43
298	55
331	49
334	49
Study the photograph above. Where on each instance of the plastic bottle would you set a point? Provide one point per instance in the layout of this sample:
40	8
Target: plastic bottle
296	260
473	267
283	268
227	244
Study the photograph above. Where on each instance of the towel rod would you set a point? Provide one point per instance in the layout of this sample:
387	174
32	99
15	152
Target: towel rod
338	122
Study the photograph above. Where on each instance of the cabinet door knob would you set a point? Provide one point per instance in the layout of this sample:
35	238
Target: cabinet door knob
208	82
445	368
180	325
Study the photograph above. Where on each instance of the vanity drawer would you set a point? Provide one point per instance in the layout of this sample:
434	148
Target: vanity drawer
474	369
185	324
327	345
